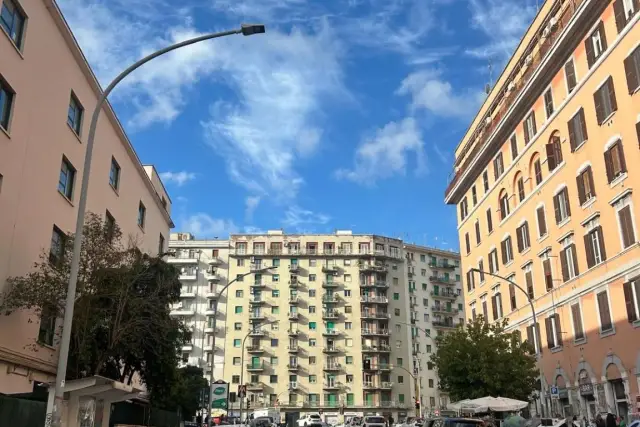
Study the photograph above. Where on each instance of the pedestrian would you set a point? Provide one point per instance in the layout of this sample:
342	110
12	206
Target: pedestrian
611	420
600	421
390	421
621	422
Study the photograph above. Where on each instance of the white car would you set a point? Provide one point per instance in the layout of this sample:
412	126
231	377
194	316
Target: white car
310	420
375	421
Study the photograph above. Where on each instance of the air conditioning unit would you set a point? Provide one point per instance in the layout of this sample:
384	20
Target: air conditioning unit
547	32
552	22
529	60
511	87
487	121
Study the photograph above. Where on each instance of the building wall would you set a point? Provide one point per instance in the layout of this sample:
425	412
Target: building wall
43	73
602	356
204	272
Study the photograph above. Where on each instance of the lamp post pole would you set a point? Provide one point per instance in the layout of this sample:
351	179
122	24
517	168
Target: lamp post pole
54	413
419	397
416	385
535	335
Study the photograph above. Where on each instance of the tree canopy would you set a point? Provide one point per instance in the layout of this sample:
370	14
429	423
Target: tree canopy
482	359
121	323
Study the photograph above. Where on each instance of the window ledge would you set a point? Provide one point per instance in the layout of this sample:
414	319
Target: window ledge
66	198
581	341
604	334
589	202
636	324
526	251
618	180
48	346
543	238
141	228
6	132
508	264
636	90
556	349
608	118
115	190
12	42
564	222
579	146
73	131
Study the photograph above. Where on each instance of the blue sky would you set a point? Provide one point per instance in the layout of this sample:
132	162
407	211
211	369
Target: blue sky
344	115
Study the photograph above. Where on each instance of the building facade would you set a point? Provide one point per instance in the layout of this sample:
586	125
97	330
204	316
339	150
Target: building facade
544	185
41	164
204	270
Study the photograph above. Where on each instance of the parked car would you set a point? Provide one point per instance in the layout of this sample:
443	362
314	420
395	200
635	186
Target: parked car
375	422
310	420
452	422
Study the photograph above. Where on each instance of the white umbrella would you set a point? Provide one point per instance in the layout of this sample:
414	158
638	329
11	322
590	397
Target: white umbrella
486	404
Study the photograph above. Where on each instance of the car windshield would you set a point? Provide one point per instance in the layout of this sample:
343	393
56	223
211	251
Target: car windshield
315	417
375	420
465	423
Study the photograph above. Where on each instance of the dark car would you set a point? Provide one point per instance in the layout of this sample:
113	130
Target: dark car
452	422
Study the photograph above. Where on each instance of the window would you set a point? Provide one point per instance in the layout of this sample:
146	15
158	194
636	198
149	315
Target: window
238	309
474	195
624	11
569	260
67	178
74	115
477	226
12	20
348	309
514	147
554	332
493	261
114	174
47	328
537	168
507	251
512	297
274	342
595	44
464	210
625	223
528	280
586	189
58	242
347	293
236	361
485	310
275	310
496	304
235	379
570	75
521	193
548	103
542	221
554	153
604	312
605	101
313	379
399	361
485	181
273	379
561	205
6	103
632	299
576	318
161	244
142	213
237	326
348	325
547	272
498	166
614	161
312	309
396	311
504	206
529	127
594	246
275	293
312	343
522	235
481	270
632	70
312	326
467	242
577	130
470	281
236	342
533	336
348	360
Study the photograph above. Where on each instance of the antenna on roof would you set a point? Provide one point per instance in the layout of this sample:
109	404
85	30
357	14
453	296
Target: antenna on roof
487	87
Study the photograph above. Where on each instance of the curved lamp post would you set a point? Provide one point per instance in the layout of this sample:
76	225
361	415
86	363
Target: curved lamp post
54	414
535	335
416	385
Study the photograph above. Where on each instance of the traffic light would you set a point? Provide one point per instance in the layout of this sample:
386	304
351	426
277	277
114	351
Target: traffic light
417	404
248	404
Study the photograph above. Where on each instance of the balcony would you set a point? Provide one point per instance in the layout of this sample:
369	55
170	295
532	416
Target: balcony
294	284
187	293
255	268
211	294
444	295
187	347
331	350
384	367
386	385
410	275
293	348
259	285
375	332
255	367
330	315
444	309
331	385
372	315
182	311
215	260
293	316
442	279
257	333
331	367
293	367
293	385
212	276
255	387
293	332
188	275
254	300
257	316
210	310
368	267
255	349
365	299
294	300
330	269
183	259
294	268
330	285
330	333
443	325
376	349
372	285
329	299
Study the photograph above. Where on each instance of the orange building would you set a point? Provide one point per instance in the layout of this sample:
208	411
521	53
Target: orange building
547	197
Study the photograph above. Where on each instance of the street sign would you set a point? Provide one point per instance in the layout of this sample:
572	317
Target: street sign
220	399
554	392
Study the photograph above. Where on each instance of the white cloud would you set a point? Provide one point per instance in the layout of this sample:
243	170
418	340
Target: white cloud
503	22
296	217
204	226
431	92
251	203
177	178
387	153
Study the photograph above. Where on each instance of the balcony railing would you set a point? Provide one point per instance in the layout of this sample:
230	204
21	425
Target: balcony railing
330	314
254	367
329	298
452	295
444	309
293	348
374	299
329	285
444	325
255	349
376	284
376	349
293	316
442	279
294	268
367	331
293	366
332	367
329	268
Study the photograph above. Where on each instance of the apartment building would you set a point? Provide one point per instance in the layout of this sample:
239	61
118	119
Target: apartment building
203	268
436	306
46	86
544	185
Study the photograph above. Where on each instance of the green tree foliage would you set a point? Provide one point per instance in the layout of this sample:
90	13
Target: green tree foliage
185	392
121	323
482	359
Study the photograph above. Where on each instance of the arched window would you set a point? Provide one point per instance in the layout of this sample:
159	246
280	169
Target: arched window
554	151
504	204
535	170
518	186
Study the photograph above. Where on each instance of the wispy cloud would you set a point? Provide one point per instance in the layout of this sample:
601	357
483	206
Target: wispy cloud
429	91
386	153
503	22
203	226
296	217
251	203
177	178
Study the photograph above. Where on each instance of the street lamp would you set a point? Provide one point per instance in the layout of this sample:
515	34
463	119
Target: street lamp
55	413
215	320
253	328
535	335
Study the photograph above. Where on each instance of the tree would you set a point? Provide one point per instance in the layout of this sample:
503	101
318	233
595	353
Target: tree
121	322
185	392
482	359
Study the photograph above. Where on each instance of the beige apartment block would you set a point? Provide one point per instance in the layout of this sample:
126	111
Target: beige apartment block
204	270
547	196
46	90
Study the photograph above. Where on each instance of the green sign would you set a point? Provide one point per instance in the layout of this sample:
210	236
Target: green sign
220	395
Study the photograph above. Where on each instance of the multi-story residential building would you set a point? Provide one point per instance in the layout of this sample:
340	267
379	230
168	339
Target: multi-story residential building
43	74
203	268
544	185
436	306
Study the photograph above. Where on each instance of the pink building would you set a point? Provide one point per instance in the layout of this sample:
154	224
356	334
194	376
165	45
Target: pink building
47	93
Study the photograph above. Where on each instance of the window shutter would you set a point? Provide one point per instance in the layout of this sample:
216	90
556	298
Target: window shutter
574	255
485	312
612	94
577	322
519	239
556	318
557	150
583	123
603	35
570	74
628	301
526	236
621	18
548	277
591	185
603	252
527	137
489	221
598	104
542	223
623	163
566	201
494	305
538	338
551	160
638	132
533	123
563	263
572	136
556	207
626	224
588	247
633	80
529	280
580	180
530	336
605	314
608	164
549	330
591	56
503	250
